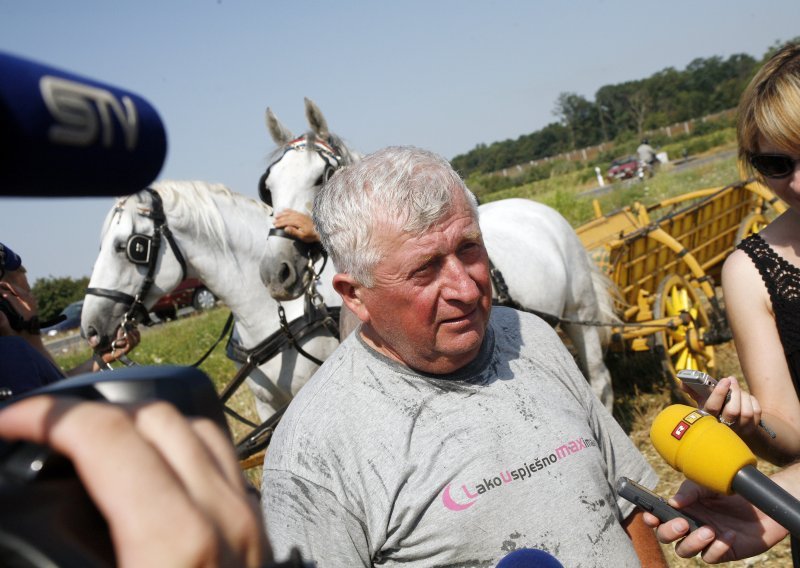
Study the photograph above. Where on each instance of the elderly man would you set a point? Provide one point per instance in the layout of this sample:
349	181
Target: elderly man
442	432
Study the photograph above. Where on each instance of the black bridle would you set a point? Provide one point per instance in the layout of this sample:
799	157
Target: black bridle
328	152
333	159
143	250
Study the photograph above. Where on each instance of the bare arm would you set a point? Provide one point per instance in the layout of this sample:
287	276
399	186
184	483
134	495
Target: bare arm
762	359
644	540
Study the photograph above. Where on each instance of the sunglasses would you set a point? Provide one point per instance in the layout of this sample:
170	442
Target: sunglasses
773	166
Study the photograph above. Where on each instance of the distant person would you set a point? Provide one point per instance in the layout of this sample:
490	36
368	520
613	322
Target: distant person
442	431
647	156
25	362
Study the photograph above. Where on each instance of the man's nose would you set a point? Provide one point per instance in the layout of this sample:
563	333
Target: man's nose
459	283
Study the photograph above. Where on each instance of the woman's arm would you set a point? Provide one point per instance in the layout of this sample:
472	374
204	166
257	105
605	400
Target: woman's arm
762	360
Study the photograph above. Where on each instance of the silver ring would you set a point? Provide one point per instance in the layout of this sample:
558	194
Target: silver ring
722	420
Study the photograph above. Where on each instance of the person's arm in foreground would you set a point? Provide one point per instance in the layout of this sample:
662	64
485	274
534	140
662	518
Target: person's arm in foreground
644	540
197	511
735	529
763	361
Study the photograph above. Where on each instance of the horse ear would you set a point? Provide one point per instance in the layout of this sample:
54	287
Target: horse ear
315	119
280	134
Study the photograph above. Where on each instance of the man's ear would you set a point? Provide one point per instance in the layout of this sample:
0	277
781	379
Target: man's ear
350	290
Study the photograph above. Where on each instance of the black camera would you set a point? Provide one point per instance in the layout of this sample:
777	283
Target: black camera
46	516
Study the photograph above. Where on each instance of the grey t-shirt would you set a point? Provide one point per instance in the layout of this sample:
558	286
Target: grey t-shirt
375	464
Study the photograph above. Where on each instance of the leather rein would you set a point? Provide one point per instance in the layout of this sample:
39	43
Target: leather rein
143	250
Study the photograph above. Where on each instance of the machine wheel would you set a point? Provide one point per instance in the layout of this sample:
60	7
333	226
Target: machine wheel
203	299
683	347
750	225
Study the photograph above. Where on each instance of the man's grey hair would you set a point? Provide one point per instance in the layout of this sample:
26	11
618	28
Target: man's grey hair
401	187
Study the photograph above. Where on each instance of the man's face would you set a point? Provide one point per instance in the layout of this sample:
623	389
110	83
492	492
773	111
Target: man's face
430	302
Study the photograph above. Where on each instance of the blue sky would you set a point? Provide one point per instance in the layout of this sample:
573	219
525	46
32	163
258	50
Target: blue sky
440	74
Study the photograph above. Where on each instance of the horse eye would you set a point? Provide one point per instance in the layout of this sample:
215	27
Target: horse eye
321	179
119	247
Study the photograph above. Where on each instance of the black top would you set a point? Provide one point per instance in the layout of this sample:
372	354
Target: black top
783	284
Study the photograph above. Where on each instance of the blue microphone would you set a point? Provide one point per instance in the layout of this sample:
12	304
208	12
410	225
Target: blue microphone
65	135
528	558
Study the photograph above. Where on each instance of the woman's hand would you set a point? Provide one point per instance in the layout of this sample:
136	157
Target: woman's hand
741	412
731	527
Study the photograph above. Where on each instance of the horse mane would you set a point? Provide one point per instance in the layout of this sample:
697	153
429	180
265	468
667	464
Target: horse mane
348	156
194	204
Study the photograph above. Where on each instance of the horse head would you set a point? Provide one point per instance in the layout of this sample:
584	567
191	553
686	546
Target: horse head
299	167
139	261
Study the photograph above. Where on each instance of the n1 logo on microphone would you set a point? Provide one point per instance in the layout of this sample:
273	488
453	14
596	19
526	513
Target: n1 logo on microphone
85	114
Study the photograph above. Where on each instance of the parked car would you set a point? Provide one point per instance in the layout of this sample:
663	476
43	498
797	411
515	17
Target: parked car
623	168
190	292
72	314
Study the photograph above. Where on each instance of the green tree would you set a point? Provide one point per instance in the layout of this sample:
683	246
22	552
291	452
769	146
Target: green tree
622	112
54	294
581	119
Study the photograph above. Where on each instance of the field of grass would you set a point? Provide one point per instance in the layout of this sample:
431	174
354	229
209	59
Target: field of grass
640	387
573	198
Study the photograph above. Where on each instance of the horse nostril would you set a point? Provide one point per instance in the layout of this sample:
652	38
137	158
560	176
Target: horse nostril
286	274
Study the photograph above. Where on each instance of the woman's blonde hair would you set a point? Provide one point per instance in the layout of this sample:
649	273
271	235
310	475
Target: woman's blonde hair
770	106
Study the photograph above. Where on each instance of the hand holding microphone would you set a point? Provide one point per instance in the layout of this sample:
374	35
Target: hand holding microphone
742	409
711	455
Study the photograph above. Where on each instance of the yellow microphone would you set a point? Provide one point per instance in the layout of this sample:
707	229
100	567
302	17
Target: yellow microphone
712	455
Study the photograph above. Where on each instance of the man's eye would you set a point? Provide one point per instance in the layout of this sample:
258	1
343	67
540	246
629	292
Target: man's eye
424	268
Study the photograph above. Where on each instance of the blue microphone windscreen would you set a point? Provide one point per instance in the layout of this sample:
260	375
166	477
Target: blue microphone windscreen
66	135
529	558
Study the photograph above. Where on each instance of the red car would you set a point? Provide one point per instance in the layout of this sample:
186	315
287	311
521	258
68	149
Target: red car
623	168
190	292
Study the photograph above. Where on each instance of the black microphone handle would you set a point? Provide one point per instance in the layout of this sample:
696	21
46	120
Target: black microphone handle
769	497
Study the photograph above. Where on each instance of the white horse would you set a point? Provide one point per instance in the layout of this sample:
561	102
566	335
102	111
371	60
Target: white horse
207	232
547	269
300	165
534	249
